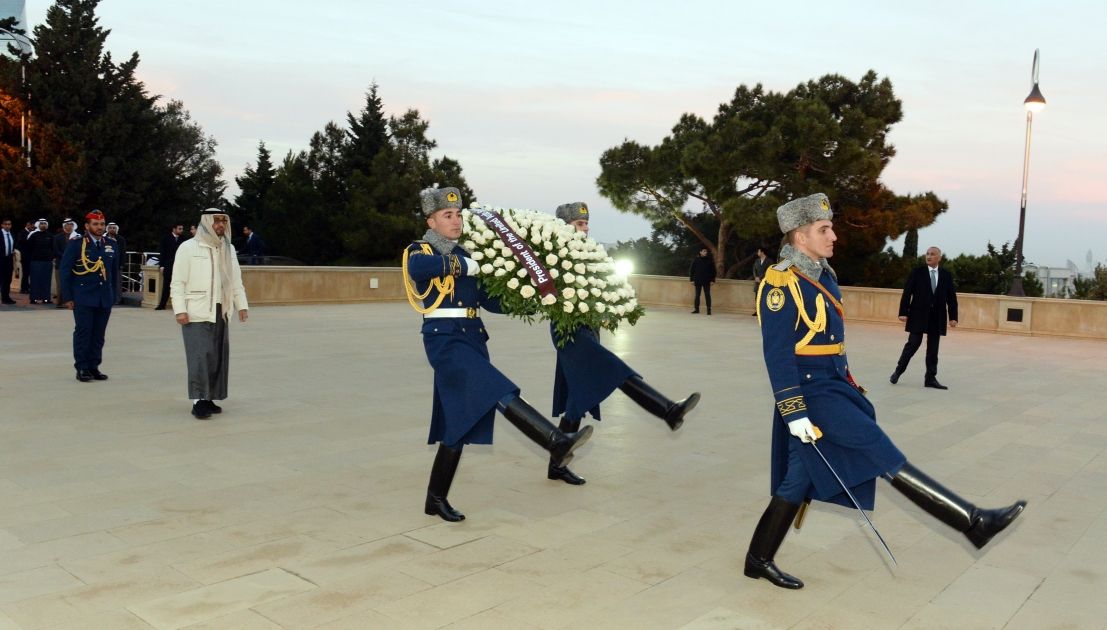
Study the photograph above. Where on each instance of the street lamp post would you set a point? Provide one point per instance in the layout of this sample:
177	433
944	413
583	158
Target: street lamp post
1033	103
25	45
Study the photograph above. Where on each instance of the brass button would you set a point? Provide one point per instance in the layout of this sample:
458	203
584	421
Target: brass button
460	303
808	376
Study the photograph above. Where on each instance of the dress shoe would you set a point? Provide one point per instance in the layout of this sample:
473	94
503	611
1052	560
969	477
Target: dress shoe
159	308
894	378
98	375
708	311
562	473
212	407
200	411
933	382
695	311
84	376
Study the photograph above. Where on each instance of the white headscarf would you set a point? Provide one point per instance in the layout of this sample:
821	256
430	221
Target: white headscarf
205	232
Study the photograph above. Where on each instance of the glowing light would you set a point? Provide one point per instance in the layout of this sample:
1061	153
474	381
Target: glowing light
624	268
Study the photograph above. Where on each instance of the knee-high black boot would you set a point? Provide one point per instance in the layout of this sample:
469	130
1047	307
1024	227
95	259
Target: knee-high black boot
442	475
657	404
563	473
979	525
767	538
542	432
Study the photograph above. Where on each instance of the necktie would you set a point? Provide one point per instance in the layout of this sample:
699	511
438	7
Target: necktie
7	244
933	280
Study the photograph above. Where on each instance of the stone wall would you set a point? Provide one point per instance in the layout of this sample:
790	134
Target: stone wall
990	313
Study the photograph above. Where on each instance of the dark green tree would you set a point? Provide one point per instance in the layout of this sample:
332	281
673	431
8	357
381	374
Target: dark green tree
763	148
254	185
1093	287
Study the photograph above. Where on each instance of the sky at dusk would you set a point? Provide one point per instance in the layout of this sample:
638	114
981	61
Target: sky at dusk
527	95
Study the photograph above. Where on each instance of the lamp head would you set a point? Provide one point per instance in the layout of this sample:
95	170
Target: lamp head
1035	102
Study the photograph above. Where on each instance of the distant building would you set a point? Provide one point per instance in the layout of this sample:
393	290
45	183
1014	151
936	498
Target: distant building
1058	282
18	10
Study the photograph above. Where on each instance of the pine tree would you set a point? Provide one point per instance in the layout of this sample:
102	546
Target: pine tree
254	185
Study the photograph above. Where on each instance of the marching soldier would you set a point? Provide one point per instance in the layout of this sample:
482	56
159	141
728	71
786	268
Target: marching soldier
800	309
88	268
439	277
587	373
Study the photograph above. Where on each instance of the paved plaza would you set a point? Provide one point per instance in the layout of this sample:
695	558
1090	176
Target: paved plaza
301	505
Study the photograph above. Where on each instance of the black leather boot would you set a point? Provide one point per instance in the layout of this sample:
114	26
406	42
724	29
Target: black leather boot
542	432
657	404
767	538
979	525
562	473
442	475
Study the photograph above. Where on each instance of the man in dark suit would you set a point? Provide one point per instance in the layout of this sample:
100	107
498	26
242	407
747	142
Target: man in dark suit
760	264
169	244
255	247
121	253
702	274
928	297
88	269
7	260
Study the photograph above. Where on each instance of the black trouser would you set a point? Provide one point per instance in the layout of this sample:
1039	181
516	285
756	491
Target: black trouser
706	295
166	278
914	340
25	277
7	264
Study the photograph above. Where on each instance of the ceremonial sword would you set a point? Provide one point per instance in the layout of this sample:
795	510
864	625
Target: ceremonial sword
819	434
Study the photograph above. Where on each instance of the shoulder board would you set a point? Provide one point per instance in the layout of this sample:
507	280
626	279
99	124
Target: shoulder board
780	274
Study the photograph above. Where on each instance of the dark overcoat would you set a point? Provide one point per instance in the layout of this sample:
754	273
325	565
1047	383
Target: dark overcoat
585	375
467	387
820	388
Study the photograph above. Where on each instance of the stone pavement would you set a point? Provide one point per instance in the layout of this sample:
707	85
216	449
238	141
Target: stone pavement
301	505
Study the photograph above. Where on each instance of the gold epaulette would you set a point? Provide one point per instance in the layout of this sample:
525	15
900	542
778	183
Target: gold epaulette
780	275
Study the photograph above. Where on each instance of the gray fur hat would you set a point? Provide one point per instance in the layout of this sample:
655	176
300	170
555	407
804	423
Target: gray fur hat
569	212
802	211
434	199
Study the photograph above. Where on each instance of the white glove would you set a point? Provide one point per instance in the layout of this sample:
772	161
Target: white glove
471	267
803	429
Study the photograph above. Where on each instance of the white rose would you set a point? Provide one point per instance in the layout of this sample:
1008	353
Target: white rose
570	278
551	259
513	284
490	252
522	232
600	307
498	262
487	234
554	273
580	268
619	310
568	307
563	252
632	304
581	294
568	293
566	265
595	292
607	297
549	299
486	268
526	291
522	273
469	245
547	244
582	281
509	265
477	256
583	307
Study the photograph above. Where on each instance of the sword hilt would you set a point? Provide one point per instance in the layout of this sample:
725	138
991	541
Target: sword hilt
818	432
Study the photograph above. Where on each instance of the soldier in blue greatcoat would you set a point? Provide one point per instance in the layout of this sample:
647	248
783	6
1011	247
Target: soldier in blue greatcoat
800	309
87	272
587	373
440	279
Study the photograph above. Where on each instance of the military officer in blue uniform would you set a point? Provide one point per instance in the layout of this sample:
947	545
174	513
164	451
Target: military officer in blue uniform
587	373
440	279
88	269
799	306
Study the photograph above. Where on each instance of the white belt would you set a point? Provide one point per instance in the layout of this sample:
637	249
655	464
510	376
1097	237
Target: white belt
463	313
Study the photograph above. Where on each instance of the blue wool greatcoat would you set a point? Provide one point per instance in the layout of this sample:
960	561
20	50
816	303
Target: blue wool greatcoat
467	386
821	388
585	375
